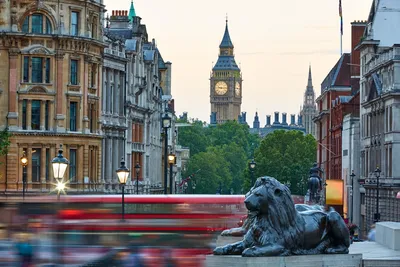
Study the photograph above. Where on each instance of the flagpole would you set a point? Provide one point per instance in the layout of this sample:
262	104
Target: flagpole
341	44
341	27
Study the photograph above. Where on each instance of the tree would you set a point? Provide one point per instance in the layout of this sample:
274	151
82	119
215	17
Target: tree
211	171
194	137
287	156
4	142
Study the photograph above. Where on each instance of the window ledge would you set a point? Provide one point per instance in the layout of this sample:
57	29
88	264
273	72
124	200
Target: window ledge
75	88
31	83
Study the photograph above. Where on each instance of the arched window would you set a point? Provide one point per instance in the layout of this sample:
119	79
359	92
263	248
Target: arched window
37	23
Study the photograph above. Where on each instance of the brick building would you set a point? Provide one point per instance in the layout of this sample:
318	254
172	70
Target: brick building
49	90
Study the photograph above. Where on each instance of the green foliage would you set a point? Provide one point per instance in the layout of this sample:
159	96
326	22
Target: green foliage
4	142
287	156
220	153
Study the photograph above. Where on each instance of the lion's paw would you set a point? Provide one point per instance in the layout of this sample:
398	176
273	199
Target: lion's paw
249	252
219	251
226	232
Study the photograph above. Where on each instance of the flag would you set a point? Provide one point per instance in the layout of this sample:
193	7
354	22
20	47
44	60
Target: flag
341	17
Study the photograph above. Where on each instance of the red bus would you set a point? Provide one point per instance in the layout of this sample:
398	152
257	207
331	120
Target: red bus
188	224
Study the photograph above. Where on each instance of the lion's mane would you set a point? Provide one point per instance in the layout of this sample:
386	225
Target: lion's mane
281	223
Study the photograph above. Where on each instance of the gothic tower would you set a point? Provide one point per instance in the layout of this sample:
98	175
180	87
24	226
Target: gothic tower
309	110
226	83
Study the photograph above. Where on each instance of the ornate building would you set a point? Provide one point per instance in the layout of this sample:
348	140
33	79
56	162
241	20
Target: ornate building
51	54
309	109
139	110
380	110
225	84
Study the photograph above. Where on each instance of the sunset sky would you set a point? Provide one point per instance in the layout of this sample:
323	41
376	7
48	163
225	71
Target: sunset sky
274	43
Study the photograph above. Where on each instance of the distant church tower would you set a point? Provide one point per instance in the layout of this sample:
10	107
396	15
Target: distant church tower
309	110
225	83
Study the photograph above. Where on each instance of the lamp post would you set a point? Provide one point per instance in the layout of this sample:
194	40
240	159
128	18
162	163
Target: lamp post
24	163
252	166
352	175
166	123
185	186
60	165
137	169
193	186
123	174
377	175
171	161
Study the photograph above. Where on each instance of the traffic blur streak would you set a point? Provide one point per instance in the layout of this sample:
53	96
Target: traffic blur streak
80	229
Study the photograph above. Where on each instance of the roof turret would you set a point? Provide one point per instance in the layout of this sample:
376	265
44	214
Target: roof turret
226	40
132	12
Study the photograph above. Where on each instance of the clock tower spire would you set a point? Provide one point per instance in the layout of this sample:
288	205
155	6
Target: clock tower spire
226	82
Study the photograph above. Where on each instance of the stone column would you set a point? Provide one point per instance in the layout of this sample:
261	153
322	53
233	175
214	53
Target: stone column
104	91
106	164
42	115
52	156
86	161
60	117
85	95
51	115
12	115
115	154
29	167
43	167
20	104
117	93
29	115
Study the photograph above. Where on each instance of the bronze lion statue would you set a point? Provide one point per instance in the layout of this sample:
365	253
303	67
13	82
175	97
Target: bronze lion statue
251	216
278	229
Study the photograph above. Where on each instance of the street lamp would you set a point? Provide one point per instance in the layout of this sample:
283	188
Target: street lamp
171	161
24	163
377	175
352	175
137	169
252	166
185	186
193	186
60	165
123	174
166	123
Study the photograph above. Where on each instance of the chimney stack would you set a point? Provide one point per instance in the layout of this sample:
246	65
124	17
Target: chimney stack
292	119
276	117
119	19
284	118
268	120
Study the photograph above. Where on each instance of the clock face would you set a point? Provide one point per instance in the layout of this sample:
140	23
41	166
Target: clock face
221	88
237	89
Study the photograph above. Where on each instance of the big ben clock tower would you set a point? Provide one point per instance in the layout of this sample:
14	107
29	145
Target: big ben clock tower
226	83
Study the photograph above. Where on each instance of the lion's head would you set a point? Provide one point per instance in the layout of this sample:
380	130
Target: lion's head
274	205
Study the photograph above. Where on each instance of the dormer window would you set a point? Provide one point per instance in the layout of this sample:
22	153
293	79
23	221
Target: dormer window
37	23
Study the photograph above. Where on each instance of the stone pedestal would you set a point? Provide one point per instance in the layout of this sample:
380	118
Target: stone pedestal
388	234
342	260
225	240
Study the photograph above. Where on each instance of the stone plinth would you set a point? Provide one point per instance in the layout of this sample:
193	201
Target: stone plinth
342	260
225	240
388	234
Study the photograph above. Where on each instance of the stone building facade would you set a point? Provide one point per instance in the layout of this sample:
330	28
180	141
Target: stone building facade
148	81
50	80
114	121
380	110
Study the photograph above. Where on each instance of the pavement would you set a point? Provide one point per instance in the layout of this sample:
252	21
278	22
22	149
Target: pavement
374	251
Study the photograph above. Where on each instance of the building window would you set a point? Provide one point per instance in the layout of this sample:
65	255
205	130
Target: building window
37	23
35	71
26	69
74	72
74	22
47	75
72	115
47	164
46	115
35	118
72	165
93	76
24	102
36	165
92	117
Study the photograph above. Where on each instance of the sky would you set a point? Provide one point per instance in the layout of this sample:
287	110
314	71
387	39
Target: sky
275	41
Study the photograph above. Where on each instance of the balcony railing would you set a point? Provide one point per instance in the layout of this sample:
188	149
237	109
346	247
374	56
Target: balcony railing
138	147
